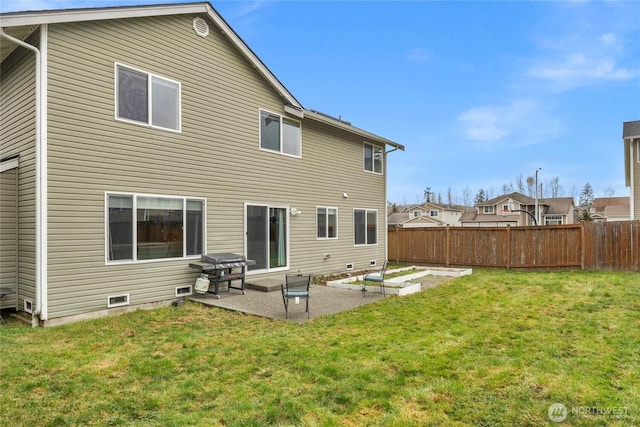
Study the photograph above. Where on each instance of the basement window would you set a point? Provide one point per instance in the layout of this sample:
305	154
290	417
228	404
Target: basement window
117	300
183	291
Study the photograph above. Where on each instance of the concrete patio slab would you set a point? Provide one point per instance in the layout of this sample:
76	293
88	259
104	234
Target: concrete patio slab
324	301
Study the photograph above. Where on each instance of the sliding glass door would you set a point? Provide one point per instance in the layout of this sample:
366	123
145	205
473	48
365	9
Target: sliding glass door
267	240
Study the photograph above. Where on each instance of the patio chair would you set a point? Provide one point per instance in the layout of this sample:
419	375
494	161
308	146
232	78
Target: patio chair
295	286
376	277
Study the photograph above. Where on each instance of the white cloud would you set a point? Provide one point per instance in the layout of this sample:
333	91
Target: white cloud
583	61
484	123
515	123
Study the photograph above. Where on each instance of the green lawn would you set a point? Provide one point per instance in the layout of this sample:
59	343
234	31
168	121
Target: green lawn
491	349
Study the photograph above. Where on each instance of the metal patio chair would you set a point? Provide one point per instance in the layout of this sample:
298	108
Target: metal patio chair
376	277
296	286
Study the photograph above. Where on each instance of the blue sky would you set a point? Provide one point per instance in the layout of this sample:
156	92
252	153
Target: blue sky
480	93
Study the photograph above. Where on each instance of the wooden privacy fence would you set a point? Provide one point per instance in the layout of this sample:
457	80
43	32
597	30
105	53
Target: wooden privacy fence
586	246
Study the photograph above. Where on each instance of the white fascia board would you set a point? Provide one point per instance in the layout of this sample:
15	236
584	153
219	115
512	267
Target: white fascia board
309	114
96	14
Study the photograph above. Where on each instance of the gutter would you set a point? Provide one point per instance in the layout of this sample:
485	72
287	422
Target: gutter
40	312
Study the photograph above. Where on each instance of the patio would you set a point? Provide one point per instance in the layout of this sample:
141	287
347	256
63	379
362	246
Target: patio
324	301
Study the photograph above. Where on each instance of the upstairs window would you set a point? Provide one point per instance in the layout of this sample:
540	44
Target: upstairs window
147	99
433	213
488	209
280	134
373	155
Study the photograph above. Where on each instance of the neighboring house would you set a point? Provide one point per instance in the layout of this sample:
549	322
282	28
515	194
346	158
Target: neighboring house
631	140
426	215
516	209
146	136
610	209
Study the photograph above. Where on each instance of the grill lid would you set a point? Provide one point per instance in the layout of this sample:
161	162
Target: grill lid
220	258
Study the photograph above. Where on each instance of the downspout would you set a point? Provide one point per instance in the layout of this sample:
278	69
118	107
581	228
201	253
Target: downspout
41	164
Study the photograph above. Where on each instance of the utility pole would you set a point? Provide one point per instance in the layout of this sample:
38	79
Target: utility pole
537	209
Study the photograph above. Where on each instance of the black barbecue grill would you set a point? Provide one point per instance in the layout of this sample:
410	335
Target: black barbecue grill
223	267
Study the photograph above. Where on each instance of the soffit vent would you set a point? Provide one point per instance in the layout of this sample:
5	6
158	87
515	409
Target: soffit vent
201	27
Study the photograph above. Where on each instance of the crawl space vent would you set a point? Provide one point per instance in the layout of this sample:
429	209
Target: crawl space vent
201	27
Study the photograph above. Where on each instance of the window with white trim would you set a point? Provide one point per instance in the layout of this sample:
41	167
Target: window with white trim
147	99
326	222
488	209
365	226
553	220
373	156
280	134
147	227
433	213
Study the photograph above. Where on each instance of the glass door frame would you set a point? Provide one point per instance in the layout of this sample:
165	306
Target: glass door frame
268	234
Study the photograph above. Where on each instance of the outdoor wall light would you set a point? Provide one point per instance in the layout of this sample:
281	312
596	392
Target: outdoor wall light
295	212
345	195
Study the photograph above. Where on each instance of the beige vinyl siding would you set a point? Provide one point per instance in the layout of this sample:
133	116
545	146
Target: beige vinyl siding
17	137
9	234
216	156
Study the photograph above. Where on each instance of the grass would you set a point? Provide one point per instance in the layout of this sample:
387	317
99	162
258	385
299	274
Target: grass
494	348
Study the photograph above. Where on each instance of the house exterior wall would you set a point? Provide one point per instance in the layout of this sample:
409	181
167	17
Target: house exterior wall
216	156
17	138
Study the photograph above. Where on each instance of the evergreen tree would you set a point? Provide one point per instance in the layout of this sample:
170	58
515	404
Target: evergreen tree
586	196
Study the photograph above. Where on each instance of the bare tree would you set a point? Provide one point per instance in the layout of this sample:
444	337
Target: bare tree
449	198
555	187
531	185
507	188
520	184
466	196
609	191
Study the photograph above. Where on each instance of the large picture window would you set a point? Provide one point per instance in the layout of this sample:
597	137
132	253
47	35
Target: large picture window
280	134
365	226
144	227
327	223
147	99
373	155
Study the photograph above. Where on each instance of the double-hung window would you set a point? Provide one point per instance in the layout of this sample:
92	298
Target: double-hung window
373	155
147	99
147	227
365	226
280	134
327	223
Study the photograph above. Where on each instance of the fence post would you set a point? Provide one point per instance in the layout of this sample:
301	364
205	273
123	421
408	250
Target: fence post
508	257
448	247
582	245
